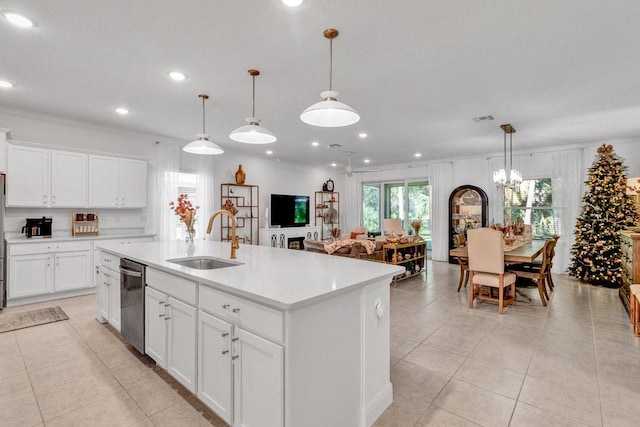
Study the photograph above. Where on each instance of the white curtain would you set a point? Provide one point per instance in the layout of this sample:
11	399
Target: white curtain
206	196
168	167
566	185
352	203
441	182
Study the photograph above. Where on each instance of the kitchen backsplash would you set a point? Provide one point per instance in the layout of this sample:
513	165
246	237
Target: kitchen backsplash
112	221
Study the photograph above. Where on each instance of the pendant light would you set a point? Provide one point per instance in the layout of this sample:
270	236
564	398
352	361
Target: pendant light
500	176
253	133
202	145
330	112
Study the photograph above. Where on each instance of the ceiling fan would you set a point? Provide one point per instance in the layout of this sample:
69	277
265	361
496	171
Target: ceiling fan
349	171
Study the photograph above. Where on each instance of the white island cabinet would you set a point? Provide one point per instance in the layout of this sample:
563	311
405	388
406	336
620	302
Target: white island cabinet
282	338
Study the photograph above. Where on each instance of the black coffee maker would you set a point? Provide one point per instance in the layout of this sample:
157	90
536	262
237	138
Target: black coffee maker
38	227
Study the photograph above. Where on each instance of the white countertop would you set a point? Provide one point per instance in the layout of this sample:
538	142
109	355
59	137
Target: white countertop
70	238
280	278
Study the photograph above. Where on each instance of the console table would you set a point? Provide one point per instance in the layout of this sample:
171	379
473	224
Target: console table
413	257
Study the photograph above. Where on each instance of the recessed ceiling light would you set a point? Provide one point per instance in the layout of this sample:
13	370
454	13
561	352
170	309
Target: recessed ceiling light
362	134
418	155
177	76
315	143
366	160
269	152
334	164
122	110
5	84
18	20
292	3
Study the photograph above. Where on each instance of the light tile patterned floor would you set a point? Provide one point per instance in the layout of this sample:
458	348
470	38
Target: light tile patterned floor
575	362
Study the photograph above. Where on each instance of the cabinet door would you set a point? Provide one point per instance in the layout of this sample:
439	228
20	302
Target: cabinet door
214	364
102	295
30	275
103	181
72	270
133	183
68	179
28	176
258	381
155	326
113	278
181	357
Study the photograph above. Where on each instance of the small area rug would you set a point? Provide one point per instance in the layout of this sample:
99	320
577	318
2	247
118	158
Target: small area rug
27	319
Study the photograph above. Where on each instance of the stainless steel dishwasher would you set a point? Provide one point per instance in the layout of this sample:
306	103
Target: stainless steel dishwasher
132	279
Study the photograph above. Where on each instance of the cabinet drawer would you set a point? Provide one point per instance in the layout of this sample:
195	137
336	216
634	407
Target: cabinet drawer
110	261
263	320
177	287
125	241
44	247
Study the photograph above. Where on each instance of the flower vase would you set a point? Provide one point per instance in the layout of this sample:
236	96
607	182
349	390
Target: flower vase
240	175
191	233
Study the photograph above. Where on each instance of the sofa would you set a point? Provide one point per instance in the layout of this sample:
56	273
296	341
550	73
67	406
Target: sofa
352	248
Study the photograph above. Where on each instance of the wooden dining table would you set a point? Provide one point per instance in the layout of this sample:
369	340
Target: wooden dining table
525	253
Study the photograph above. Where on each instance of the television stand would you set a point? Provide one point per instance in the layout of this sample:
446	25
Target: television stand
288	237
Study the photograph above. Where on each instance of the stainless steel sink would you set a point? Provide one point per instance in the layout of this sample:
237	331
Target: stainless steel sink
204	262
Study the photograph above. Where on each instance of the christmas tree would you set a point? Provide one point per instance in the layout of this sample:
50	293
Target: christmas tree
606	209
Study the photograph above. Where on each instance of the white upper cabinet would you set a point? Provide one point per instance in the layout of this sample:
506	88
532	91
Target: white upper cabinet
133	183
68	179
27	176
117	183
40	177
103	181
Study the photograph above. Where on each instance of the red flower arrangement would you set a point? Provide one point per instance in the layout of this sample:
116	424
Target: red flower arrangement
186	212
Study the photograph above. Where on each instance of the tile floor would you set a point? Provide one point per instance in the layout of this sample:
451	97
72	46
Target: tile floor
575	362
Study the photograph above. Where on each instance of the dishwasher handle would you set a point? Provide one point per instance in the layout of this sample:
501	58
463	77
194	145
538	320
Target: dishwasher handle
128	272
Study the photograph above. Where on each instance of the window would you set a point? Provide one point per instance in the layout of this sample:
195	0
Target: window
405	200
531	203
187	184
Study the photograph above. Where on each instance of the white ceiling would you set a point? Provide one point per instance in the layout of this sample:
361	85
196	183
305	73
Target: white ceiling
418	71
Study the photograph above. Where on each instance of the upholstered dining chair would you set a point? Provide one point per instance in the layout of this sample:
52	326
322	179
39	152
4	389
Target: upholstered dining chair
535	266
486	268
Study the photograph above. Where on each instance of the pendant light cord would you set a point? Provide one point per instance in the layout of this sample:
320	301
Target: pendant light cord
505	151
203	129
330	63
253	109
510	154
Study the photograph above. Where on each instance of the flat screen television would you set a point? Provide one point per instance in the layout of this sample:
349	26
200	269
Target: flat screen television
289	211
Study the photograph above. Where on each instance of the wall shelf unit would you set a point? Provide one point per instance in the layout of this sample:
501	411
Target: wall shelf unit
245	198
327	213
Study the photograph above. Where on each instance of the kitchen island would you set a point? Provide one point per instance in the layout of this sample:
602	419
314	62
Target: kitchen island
282	337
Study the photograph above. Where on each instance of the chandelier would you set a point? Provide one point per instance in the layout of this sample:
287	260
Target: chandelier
500	177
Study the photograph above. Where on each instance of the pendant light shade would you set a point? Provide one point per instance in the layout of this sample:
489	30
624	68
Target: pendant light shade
330	112
253	133
202	145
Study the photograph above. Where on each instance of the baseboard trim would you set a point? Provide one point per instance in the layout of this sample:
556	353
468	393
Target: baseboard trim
378	405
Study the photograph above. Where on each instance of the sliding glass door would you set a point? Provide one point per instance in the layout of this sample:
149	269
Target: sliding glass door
407	200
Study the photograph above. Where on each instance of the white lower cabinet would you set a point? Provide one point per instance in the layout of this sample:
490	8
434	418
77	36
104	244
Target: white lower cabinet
45	268
30	275
240	374
171	336
108	290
